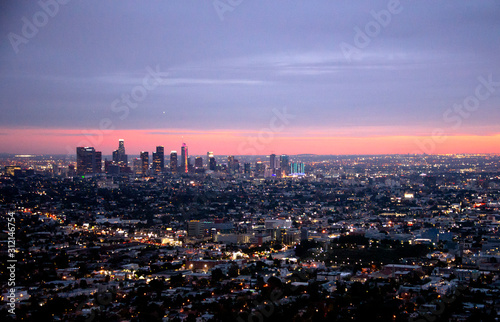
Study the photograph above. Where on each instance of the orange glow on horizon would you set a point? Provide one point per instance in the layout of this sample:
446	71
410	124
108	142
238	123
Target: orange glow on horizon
237	142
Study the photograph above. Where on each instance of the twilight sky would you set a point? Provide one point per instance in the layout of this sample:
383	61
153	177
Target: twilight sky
350	77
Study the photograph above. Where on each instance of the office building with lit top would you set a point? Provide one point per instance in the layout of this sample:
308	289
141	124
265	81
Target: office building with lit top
184	158
137	163
119	155
145	162
173	162
260	168
198	165
195	228
88	161
159	159
211	162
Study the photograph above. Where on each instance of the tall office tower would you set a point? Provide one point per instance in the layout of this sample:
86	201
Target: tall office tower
184	158
208	157
212	163
119	155
159	159
236	166
98	161
88	160
173	162
246	167
297	168
272	163
285	164
137	163
121	146
198	163
145	162
260	168
230	164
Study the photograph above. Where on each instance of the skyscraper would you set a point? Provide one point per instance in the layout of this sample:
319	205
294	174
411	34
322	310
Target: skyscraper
173	162
198	165
247	168
259	169
144	162
98	161
119	155
212	163
208	157
273	163
159	159
121	146
198	162
230	164
137	162
297	168
88	160
285	164
184	158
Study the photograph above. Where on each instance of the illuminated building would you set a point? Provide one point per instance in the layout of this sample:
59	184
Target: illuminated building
198	165
297	169
159	159
137	166
173	162
145	162
88	161
260	168
10	170
247	169
212	163
119	155
285	164
184	158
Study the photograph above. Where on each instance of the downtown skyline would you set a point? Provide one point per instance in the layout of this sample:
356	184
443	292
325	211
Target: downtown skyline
372	77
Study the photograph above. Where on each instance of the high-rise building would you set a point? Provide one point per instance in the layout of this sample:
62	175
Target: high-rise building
184	158
198	165
259	168
236	166
159	159
119	155
208	157
88	161
273	164
173	162
137	163
230	164
297	168
121	146
247	169
198	162
98	161
145	162
285	164
212	163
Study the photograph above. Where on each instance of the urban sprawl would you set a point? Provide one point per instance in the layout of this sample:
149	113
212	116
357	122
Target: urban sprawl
249	238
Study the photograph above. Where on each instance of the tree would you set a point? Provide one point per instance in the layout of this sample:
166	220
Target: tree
217	275
83	283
